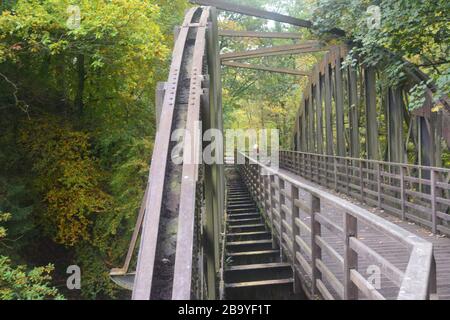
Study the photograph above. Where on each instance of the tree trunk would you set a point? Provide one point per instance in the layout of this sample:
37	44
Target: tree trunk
80	90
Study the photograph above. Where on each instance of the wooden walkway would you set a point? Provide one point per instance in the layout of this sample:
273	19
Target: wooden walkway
390	249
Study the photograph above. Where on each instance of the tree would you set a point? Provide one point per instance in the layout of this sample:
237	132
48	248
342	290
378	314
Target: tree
19	283
415	30
258	99
77	120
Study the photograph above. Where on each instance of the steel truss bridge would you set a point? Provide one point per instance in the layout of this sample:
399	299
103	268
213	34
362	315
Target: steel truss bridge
337	208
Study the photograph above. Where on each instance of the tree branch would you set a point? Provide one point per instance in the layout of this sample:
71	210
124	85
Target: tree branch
19	103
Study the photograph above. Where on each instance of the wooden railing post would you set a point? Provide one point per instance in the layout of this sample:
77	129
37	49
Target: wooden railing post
319	169
432	287
258	184
361	180
303	165
266	196
316	163
271	200
262	190
335	174
350	256
254	183
281	215
316	251
347	177
379	184
433	200
295	213
402	191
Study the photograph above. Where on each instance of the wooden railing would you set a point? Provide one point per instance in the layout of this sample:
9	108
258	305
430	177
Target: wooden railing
325	253
417	193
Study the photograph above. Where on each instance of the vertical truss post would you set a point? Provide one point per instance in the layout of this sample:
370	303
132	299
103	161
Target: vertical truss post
339	108
318	99
215	171
354	112
210	229
328	122
371	114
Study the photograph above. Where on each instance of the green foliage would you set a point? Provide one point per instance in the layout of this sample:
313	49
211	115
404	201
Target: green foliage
3	217
16	282
258	99
417	96
415	30
13	199
67	177
83	145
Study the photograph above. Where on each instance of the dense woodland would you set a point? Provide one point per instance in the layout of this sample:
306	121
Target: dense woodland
77	115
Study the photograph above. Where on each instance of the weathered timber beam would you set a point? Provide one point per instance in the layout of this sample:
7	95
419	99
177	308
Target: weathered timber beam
264	68
257	34
310	46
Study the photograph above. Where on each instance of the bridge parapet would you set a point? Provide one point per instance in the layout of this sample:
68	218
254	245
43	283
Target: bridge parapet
411	192
329	248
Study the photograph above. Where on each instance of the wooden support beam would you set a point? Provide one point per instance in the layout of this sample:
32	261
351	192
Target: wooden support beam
264	68
257	34
305	47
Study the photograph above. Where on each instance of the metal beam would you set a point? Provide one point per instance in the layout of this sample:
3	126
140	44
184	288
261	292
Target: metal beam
328	107
354	111
257	34
249	11
339	102
371	114
264	68
254	12
310	46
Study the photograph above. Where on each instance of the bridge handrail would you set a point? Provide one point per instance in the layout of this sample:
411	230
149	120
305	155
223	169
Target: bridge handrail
418	280
398	164
365	180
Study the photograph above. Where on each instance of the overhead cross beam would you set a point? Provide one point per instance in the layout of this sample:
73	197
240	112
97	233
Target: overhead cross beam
264	68
310	46
254	12
257	34
247	10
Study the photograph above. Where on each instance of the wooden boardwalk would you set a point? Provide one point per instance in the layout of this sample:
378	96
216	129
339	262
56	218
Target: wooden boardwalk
390	249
